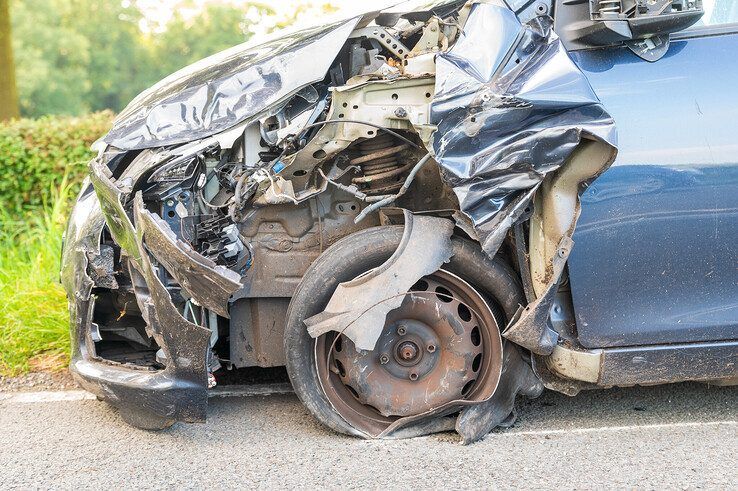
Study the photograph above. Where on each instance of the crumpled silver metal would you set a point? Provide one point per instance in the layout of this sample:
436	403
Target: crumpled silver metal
228	88
510	107
358	308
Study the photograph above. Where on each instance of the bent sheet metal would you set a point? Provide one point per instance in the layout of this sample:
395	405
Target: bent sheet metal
509	115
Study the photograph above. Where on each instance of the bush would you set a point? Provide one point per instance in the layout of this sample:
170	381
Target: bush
35	154
42	163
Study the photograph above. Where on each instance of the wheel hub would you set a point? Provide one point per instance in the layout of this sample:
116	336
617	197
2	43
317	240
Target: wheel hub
406	359
407	353
430	351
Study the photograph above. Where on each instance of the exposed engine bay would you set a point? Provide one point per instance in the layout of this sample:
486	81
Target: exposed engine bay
394	231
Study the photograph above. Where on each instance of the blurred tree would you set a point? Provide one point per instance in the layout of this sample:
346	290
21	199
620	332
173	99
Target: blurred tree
73	56
119	64
8	91
76	56
219	26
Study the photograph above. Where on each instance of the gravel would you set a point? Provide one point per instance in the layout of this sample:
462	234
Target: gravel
33	382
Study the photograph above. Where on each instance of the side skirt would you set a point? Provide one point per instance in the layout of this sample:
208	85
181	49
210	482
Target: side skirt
647	365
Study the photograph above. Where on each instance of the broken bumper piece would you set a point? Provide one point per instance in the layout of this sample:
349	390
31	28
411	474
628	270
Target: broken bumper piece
147	397
148	400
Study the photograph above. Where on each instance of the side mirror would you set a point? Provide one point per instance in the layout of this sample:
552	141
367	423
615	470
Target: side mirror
592	23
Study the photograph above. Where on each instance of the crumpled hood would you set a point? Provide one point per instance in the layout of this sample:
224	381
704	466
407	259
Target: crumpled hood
242	83
225	89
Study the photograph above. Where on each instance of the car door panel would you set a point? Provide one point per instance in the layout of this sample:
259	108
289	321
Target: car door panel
656	254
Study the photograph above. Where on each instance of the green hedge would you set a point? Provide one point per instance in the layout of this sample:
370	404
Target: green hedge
35	154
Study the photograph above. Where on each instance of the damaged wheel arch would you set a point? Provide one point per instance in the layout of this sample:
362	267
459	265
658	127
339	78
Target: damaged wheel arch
352	257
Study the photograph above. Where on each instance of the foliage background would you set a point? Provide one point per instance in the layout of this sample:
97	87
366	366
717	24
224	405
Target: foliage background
36	155
77	56
77	63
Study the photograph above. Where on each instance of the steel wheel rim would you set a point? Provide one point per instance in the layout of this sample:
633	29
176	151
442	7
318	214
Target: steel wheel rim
361	404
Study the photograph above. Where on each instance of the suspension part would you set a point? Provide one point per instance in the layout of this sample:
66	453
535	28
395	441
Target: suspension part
382	173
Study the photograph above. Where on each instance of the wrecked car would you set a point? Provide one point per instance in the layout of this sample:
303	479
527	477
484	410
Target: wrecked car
387	205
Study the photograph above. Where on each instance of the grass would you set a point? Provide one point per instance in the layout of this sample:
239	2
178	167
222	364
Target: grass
34	323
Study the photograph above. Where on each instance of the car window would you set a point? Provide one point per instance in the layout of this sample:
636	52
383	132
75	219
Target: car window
718	13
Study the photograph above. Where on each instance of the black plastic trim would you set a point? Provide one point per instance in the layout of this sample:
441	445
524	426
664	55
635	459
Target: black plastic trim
669	363
705	31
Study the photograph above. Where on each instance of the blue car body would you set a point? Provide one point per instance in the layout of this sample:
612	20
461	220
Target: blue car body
656	256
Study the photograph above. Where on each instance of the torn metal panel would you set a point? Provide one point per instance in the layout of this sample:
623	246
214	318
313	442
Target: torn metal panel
81	240
531	326
81	246
557	208
475	422
111	197
184	343
509	116
158	398
358	308
210	285
228	88
146	397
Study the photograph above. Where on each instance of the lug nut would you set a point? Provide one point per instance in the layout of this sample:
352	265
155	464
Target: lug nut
401	330
384	359
413	376
431	348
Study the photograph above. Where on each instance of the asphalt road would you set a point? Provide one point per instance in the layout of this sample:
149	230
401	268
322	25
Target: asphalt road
680	436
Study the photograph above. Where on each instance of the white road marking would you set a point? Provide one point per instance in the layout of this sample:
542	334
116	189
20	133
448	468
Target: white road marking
48	396
274	389
614	429
81	395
